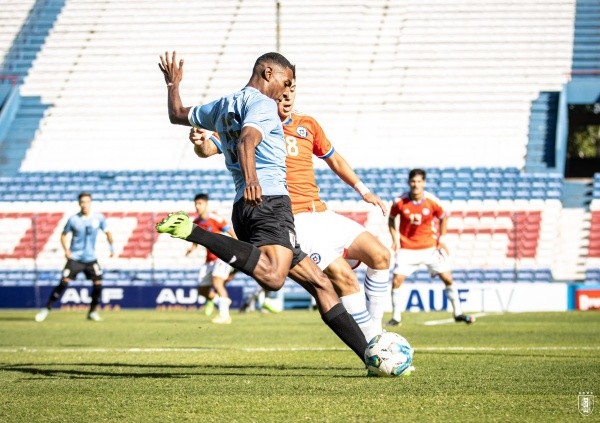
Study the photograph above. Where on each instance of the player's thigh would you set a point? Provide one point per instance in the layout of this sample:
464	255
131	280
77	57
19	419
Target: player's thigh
438	262
269	224
221	269
368	249
93	271
324	235
205	274
406	261
72	269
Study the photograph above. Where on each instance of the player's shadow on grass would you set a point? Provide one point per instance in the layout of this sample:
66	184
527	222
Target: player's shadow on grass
16	319
74	372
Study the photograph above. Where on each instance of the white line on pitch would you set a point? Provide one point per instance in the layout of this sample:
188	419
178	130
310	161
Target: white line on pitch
201	350
448	321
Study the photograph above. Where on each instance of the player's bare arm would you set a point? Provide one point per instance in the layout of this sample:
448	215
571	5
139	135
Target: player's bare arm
441	237
110	240
341	168
203	145
393	233
63	242
249	138
173	73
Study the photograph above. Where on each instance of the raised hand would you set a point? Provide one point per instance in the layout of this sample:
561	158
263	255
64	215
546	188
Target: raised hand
172	71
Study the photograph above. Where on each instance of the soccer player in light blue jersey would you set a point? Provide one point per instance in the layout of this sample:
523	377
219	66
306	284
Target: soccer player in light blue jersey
81	255
252	142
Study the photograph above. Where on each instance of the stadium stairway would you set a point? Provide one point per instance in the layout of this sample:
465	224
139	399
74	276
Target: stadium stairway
586	41
541	155
17	61
13	148
577	193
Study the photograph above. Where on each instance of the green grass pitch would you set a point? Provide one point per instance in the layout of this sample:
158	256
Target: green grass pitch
175	366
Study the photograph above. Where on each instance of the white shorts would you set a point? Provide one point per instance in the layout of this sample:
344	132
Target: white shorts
216	268
325	235
408	261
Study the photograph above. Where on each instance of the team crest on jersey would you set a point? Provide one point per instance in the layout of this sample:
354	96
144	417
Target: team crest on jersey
302	131
426	211
316	257
406	211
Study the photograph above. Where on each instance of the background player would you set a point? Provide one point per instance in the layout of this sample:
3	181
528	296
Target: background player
254	149
417	243
214	273
81	255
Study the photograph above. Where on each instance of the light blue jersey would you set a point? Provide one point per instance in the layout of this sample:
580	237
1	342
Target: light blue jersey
227	116
84	230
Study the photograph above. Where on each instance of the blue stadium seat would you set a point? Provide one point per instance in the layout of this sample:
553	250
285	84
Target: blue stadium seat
508	275
525	275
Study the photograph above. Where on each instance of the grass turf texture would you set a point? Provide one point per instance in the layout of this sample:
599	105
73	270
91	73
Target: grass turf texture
175	366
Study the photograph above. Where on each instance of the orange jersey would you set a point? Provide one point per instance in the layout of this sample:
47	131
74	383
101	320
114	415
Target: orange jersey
304	137
417	224
213	223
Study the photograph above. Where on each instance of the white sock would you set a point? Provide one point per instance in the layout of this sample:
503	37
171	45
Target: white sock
355	304
224	304
215	300
396	311
452	295
376	290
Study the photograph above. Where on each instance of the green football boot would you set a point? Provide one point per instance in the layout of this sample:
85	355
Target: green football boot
178	225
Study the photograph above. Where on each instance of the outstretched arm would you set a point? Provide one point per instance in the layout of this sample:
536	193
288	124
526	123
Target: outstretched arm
342	169
173	74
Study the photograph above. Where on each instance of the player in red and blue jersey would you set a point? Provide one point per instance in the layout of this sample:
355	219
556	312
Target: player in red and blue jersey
416	242
214	273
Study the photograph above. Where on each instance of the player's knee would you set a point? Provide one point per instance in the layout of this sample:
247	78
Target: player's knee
344	279
381	259
273	281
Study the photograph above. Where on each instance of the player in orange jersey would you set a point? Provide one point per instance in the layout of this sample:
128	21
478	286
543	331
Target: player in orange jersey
344	238
328	237
214	273
419	244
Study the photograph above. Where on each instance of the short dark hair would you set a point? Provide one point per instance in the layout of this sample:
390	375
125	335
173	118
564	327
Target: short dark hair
201	196
415	172
84	194
277	58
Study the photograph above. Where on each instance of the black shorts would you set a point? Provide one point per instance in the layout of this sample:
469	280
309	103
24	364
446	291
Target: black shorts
271	223
92	270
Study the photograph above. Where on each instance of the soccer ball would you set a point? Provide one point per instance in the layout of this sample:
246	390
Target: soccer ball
388	354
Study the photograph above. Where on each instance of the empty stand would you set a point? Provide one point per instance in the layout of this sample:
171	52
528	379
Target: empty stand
456	80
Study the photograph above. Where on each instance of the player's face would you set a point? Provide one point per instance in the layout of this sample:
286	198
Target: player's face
201	206
417	185
286	104
280	82
85	203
